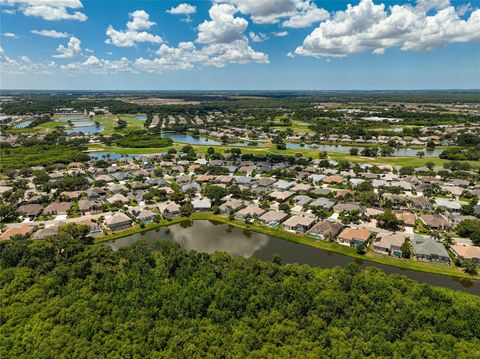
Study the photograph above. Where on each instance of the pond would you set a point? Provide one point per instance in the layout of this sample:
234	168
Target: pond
193	140
141	117
103	155
23	124
399	152
210	237
81	124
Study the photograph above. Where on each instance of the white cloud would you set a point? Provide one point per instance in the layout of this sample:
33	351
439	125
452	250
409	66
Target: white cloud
369	27
10	35
132	35
259	37
51	10
23	65
188	56
9	11
464	8
223	26
296	13
183	9
98	66
73	49
50	33
140	21
280	33
307	17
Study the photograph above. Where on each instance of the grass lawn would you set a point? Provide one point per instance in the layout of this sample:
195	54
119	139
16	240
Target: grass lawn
371	256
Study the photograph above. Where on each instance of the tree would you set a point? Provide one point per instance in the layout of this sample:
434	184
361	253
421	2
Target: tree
420	154
210	151
388	220
215	193
361	248
354	151
470	267
277	258
406	252
186	209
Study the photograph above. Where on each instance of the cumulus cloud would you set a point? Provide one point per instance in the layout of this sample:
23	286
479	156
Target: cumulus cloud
73	49
221	40
296	13
96	65
311	15
140	20
183	9
372	27
280	33
51	10
51	33
223	26
10	35
23	65
259	37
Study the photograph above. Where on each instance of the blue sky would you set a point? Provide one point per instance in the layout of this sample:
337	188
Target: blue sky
240	44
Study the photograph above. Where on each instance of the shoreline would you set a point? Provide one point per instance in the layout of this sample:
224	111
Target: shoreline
334	247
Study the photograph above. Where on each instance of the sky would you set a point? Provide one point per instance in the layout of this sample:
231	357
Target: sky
239	44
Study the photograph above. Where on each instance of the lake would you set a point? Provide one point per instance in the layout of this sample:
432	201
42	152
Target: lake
23	124
102	155
399	152
210	237
193	140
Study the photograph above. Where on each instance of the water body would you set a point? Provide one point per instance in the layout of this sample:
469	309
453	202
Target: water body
210	237
104	155
141	117
399	152
192	140
24	124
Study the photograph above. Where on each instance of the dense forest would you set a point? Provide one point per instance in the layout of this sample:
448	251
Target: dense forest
63	297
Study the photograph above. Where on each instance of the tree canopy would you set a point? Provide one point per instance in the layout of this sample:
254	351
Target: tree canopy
63	297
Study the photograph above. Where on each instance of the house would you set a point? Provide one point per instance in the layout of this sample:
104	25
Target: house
354	236
169	209
421	202
301	199
281	196
265	182
408	218
463	252
448	204
231	205
347	207
191	187
86	205
93	228
435	221
325	230
301	187
22	230
298	224
273	218
118	198
118	221
429	250
283	185
251	211
57	208
389	244
333	180
323	203
203	204
46	232
29	210
144	215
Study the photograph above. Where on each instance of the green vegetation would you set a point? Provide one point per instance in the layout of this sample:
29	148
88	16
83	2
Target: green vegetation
62	297
142	139
39	155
